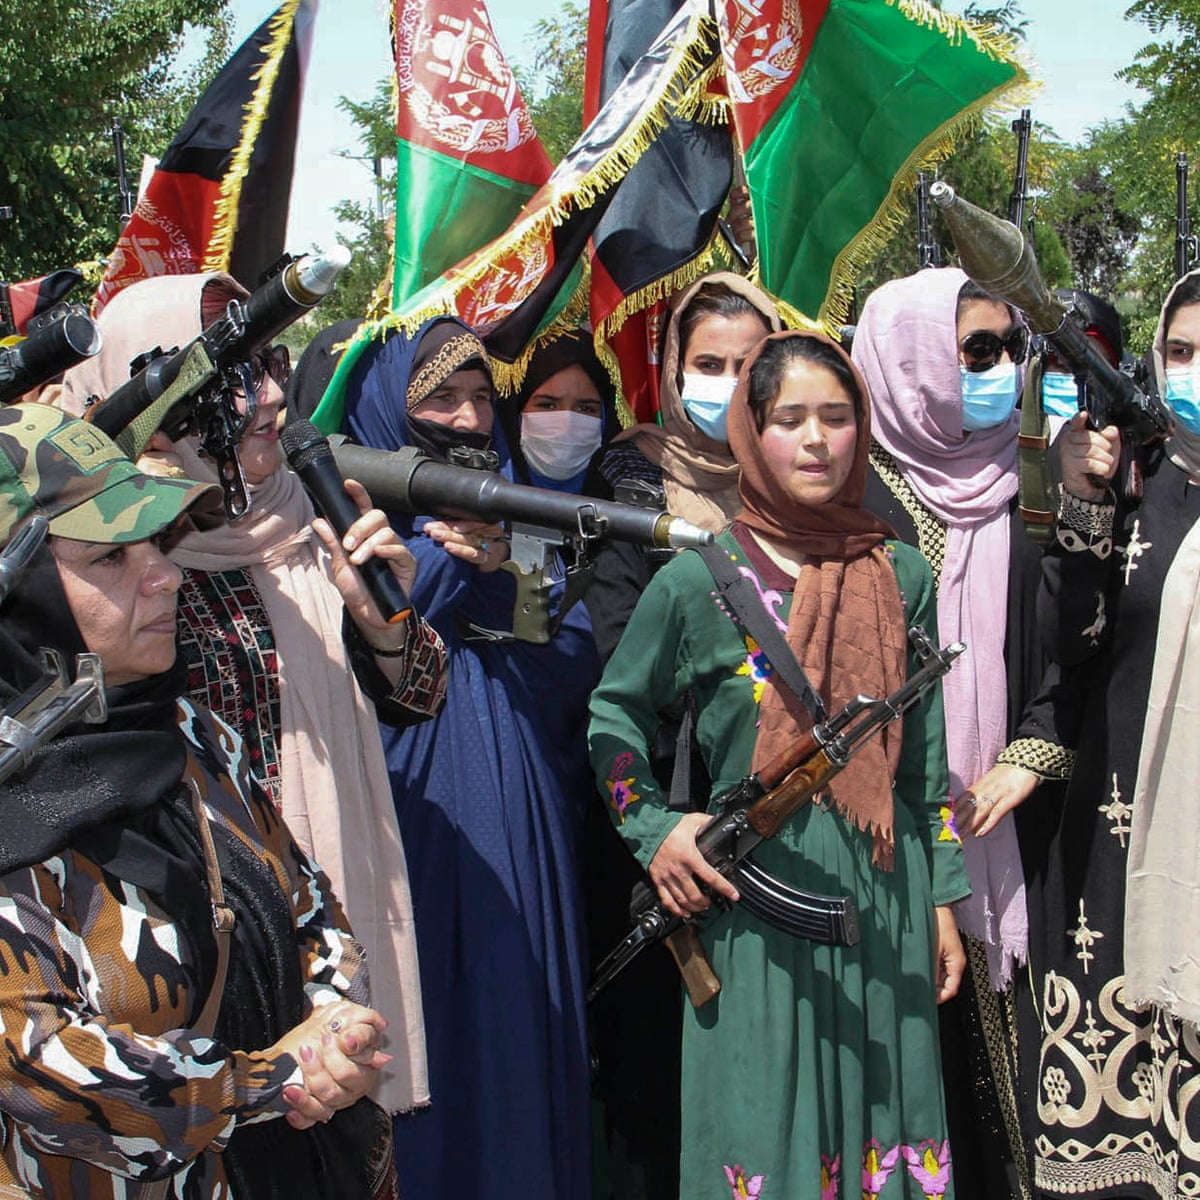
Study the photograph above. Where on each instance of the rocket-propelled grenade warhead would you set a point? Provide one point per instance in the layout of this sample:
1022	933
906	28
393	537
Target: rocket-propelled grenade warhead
998	257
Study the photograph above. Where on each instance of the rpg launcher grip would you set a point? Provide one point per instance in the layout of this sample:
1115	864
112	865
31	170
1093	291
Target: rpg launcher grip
193	389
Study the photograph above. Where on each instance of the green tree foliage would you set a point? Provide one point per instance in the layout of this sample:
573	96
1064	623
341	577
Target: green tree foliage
1169	67
554	88
1120	188
369	226
67	69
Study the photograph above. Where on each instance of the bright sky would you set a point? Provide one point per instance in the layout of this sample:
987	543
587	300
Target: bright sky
350	54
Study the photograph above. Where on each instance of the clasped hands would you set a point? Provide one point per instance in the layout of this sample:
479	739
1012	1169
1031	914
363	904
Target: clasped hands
337	1049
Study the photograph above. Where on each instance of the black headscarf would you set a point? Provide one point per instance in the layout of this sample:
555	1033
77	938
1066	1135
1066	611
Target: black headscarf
572	349
315	369
92	773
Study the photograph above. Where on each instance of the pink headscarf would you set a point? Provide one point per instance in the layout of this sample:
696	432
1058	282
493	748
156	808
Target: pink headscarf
906	346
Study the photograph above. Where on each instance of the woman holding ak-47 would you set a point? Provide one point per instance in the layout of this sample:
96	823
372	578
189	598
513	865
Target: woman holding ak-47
815	1071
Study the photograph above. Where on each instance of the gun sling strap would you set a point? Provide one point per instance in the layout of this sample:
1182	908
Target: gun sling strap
829	919
1035	502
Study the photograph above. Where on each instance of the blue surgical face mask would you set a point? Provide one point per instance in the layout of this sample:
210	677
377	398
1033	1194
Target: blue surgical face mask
706	401
989	397
1060	394
1183	387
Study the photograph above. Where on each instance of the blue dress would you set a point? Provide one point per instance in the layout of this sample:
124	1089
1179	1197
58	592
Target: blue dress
490	797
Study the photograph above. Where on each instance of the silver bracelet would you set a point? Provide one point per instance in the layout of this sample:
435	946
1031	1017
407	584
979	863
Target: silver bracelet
1085	524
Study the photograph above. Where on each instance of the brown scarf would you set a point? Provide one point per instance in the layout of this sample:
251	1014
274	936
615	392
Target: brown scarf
847	626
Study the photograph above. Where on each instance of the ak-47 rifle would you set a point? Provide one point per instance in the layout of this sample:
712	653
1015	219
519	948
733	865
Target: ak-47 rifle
757	809
194	388
124	193
1022	127
929	253
1185	240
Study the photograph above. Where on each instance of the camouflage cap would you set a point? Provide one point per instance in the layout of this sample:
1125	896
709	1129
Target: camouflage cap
75	476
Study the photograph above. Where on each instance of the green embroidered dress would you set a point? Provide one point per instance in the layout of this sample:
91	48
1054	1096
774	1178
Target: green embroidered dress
814	1074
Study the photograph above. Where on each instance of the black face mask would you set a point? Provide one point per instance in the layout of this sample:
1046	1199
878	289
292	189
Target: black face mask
438	440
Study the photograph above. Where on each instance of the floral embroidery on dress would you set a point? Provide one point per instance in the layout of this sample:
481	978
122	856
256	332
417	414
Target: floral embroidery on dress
1134	550
620	790
743	1186
949	830
1085	937
878	1165
756	666
830	1174
771	599
929	1164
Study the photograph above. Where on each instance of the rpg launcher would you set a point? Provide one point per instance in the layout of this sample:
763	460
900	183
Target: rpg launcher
196	388
758	808
54	348
540	520
1000	259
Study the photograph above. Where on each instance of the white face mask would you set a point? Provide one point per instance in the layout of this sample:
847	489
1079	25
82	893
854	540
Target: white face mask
706	401
558	445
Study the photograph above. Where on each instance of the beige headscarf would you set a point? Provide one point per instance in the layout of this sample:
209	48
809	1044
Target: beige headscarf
700	475
335	793
1162	961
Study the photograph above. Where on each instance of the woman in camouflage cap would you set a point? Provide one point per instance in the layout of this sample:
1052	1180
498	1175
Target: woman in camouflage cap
110	1065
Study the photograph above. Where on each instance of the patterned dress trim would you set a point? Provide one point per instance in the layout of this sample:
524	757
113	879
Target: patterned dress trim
421	686
1044	759
226	642
931	533
1135	1065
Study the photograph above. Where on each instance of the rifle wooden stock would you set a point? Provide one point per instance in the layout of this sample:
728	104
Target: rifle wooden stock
696	971
768	815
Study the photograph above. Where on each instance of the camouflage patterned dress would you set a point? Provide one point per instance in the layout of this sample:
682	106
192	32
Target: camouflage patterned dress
101	1080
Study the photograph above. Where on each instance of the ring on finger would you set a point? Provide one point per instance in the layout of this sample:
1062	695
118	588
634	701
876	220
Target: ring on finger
335	1025
484	544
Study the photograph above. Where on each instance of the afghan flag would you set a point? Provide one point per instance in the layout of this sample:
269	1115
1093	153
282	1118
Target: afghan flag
521	287
19	302
467	154
218	200
657	234
837	104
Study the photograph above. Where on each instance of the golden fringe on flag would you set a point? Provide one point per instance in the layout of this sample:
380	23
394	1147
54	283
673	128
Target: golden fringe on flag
220	246
682	68
931	152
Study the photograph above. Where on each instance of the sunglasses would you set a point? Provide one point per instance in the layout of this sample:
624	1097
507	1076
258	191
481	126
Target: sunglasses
275	362
982	349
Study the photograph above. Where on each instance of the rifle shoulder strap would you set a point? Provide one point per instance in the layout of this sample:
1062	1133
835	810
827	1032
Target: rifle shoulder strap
1033	468
745	608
